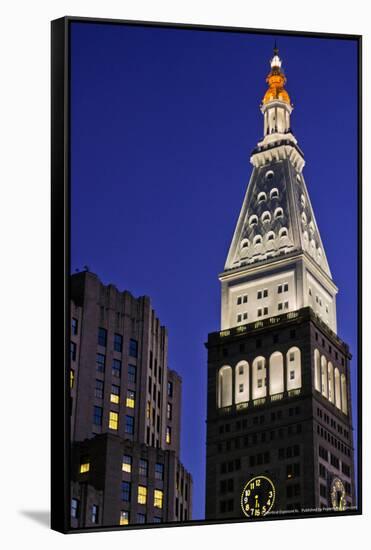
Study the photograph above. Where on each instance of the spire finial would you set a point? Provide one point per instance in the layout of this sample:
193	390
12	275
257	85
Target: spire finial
275	49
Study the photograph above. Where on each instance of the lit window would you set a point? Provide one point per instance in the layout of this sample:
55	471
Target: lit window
159	471
170	389
127	463
240	388
74	508
133	348
84	467
141	518
148	409
292	374
101	361
117	342
115	394
102	337
73	349
130	399
124	517
168	435
94	513
72	378
169	411
99	389
129	424
132	374
125	491
158	498
113	422
97	416
143	467
74	326
142	494
116	368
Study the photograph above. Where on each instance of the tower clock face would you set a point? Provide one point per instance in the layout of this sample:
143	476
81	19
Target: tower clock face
337	495
258	496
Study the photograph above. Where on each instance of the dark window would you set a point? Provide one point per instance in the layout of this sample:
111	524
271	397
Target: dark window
334	461
73	348
133	348
102	337
125	491
265	293
322	471
169	411
117	342
275	338
129	424
242	348
156	519
74	325
141	518
225	351
97	416
101	361
143	467
132	374
159	471
94	513
116	368
258	343
345	469
170	389
99	389
74	508
239	300
323	490
293	333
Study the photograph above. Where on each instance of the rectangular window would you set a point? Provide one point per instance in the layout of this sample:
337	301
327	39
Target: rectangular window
286	305
323	490
240	388
143	467
116	368
142	494
132	374
239	318
259	295
170	389
74	326
292	374
260	383
169	411
74	508
260	312
159	471
239	300
156	519
245	316
280	306
94	513
101	362
125	491
158	498
102	337
130	399
99	389
84	467
115	394
127	462
133	348
97	416
265	293
292	356
168	435
124	517
245	299
265	311
141	518
113	422
286	287
117	342
129	424
73	349
72	378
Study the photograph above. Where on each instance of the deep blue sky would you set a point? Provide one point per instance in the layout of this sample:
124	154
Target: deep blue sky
162	125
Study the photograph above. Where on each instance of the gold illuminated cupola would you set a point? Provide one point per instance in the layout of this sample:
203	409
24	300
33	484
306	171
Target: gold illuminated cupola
276	81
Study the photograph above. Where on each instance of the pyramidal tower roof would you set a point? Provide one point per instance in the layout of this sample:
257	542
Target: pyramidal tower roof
276	217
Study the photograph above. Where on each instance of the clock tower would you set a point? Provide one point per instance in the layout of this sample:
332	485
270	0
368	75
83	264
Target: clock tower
279	402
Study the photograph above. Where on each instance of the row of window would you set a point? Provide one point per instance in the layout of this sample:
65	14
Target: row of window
266	216
329	382
284	287
258	437
273	194
325	474
258	343
333	440
269	237
329	348
117	342
140	518
116	368
142	494
332	422
127	464
75	510
113	420
259	419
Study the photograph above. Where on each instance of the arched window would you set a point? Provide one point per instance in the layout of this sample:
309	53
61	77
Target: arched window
266	217
276	373
274	193
317	370
253	220
344	398
270	237
225	387
304	218
324	376
337	389
259	388
331	388
241	377
245	243
283	233
262	197
293	365
269	175
278	213
258	239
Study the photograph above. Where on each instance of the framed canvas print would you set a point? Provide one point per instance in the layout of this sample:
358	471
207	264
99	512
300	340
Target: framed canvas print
206	292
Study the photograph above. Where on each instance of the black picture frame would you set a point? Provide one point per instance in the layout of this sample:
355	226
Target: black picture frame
60	265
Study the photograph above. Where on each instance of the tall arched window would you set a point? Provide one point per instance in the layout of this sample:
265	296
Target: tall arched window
324	376
259	374
344	397
337	389
253	220
317	370
276	373
266	217
241	377
225	387
274	193
331	388
278	213
293	366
